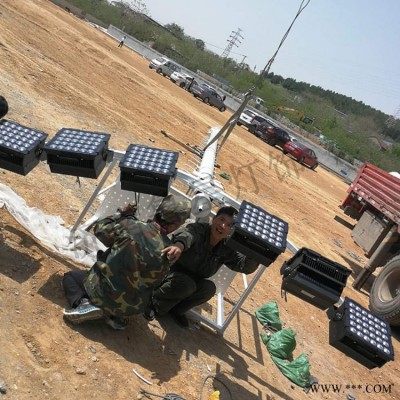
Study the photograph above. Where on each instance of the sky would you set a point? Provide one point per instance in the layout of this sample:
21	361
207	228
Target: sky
351	47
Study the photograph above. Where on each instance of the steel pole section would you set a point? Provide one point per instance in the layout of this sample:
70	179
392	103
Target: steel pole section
229	125
206	168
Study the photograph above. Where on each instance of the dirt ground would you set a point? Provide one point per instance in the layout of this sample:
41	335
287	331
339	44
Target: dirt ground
57	71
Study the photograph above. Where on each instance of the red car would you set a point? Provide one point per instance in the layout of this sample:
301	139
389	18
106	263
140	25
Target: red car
301	153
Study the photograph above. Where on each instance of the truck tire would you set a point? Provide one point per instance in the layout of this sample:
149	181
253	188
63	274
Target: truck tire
384	298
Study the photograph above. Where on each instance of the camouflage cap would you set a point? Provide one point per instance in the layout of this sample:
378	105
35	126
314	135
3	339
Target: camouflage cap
173	209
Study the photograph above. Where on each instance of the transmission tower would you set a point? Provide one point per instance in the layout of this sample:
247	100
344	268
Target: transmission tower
232	41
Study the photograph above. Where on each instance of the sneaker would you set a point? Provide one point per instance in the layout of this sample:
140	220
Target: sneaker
149	312
86	311
116	323
180	319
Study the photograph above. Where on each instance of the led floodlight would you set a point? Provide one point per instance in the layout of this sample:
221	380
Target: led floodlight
314	278
148	170
78	153
20	147
361	335
258	234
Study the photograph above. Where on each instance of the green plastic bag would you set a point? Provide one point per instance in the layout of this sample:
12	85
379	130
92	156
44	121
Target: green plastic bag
282	343
298	370
268	316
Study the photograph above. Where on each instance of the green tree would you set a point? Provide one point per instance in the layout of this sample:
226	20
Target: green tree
176	30
200	45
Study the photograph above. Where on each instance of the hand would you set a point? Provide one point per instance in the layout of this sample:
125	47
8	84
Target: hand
129	210
173	252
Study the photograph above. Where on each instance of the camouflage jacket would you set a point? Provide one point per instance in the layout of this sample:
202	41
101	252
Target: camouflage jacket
199	260
122	282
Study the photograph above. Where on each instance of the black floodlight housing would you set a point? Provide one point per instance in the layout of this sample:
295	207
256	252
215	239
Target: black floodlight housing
360	334
258	234
148	170
3	107
314	278
78	153
20	147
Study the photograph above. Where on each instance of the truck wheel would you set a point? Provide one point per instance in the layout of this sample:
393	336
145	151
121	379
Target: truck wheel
222	108
158	70
252	129
206	100
182	85
384	299
301	160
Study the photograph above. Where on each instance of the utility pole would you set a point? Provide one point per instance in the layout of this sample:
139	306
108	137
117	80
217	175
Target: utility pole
265	71
232	41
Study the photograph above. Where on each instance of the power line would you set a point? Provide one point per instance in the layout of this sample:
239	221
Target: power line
221	48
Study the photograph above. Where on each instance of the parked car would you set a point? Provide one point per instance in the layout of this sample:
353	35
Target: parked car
301	153
179	76
187	83
209	96
245	118
256	121
273	135
164	66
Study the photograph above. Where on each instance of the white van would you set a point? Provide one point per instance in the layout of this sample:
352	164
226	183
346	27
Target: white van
164	66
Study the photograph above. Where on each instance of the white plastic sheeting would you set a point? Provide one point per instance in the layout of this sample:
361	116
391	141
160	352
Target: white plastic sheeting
81	247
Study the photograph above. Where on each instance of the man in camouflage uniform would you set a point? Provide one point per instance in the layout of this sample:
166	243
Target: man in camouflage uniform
120	283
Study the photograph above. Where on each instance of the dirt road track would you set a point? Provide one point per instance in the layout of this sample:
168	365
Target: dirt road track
56	71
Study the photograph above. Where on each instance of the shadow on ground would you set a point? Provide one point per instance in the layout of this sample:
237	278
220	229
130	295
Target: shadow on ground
162	348
344	222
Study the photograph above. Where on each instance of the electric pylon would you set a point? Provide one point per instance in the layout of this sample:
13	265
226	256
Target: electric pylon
232	41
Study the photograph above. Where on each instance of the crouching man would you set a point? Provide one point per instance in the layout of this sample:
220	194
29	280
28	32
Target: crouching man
121	282
197	252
